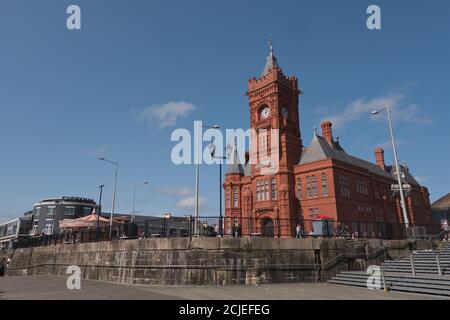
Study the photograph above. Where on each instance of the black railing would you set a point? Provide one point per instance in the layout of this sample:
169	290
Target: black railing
306	228
236	227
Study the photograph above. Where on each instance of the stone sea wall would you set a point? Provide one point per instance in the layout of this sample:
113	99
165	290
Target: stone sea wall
209	261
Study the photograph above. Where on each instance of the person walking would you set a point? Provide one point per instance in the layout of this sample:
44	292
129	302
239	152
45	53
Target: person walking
2	267
237	229
298	231
216	230
446	229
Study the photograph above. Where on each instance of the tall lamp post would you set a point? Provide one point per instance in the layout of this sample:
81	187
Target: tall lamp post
197	171
100	205
116	164
212	150
397	167
134	198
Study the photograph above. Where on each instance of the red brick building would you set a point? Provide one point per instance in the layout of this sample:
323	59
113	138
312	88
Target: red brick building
313	182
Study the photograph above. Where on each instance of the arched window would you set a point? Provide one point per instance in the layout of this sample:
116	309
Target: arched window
263	141
273	189
258	191
266	189
299	188
314	186
308	187
324	185
228	198
235	197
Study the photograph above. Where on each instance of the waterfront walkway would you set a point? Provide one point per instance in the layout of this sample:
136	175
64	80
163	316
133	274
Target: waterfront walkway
49	287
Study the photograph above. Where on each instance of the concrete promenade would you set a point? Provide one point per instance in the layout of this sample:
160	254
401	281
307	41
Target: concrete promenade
43	287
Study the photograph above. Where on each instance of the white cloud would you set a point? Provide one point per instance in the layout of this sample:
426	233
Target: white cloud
411	114
362	107
168	114
176	191
99	152
189	202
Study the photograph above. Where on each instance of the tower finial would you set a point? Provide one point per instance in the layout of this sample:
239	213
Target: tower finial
270	47
315	131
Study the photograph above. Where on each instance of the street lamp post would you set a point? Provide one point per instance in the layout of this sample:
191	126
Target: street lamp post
397	167
134	198
197	173
99	206
212	149
116	164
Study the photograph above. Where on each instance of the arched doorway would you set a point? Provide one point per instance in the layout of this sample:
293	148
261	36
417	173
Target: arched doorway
268	228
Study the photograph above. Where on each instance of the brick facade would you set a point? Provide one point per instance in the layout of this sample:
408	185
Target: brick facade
321	179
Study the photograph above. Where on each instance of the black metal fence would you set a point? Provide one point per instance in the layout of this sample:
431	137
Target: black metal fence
312	228
237	227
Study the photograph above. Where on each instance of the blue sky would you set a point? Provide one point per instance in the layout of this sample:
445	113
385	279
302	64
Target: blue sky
68	96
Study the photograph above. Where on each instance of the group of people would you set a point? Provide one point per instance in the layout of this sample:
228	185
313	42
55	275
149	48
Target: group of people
235	230
341	232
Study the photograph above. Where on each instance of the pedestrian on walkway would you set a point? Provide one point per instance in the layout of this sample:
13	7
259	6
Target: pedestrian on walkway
2	267
298	231
446	229
237	229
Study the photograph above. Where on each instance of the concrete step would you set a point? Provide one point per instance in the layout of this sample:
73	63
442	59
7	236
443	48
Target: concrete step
396	280
423	272
417	262
351	284
416	266
426	280
401	287
401	284
408	267
421	290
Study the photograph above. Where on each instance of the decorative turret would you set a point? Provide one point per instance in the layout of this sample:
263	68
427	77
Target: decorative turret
271	61
234	166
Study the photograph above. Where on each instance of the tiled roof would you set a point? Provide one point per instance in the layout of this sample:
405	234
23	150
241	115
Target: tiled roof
320	149
442	203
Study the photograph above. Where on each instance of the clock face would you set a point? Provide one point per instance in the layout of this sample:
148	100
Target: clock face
285	112
265	113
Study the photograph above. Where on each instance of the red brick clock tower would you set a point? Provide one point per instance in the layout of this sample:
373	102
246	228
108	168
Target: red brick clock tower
268	199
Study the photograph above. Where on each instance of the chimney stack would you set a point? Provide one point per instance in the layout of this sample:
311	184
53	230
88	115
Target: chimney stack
327	132
379	157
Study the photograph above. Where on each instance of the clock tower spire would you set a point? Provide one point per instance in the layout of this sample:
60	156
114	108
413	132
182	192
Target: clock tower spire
273	101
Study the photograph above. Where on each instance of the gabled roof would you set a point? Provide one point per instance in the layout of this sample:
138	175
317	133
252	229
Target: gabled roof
320	149
408	177
442	203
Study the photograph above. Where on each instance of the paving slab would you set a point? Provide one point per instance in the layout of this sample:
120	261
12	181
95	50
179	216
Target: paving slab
43	287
